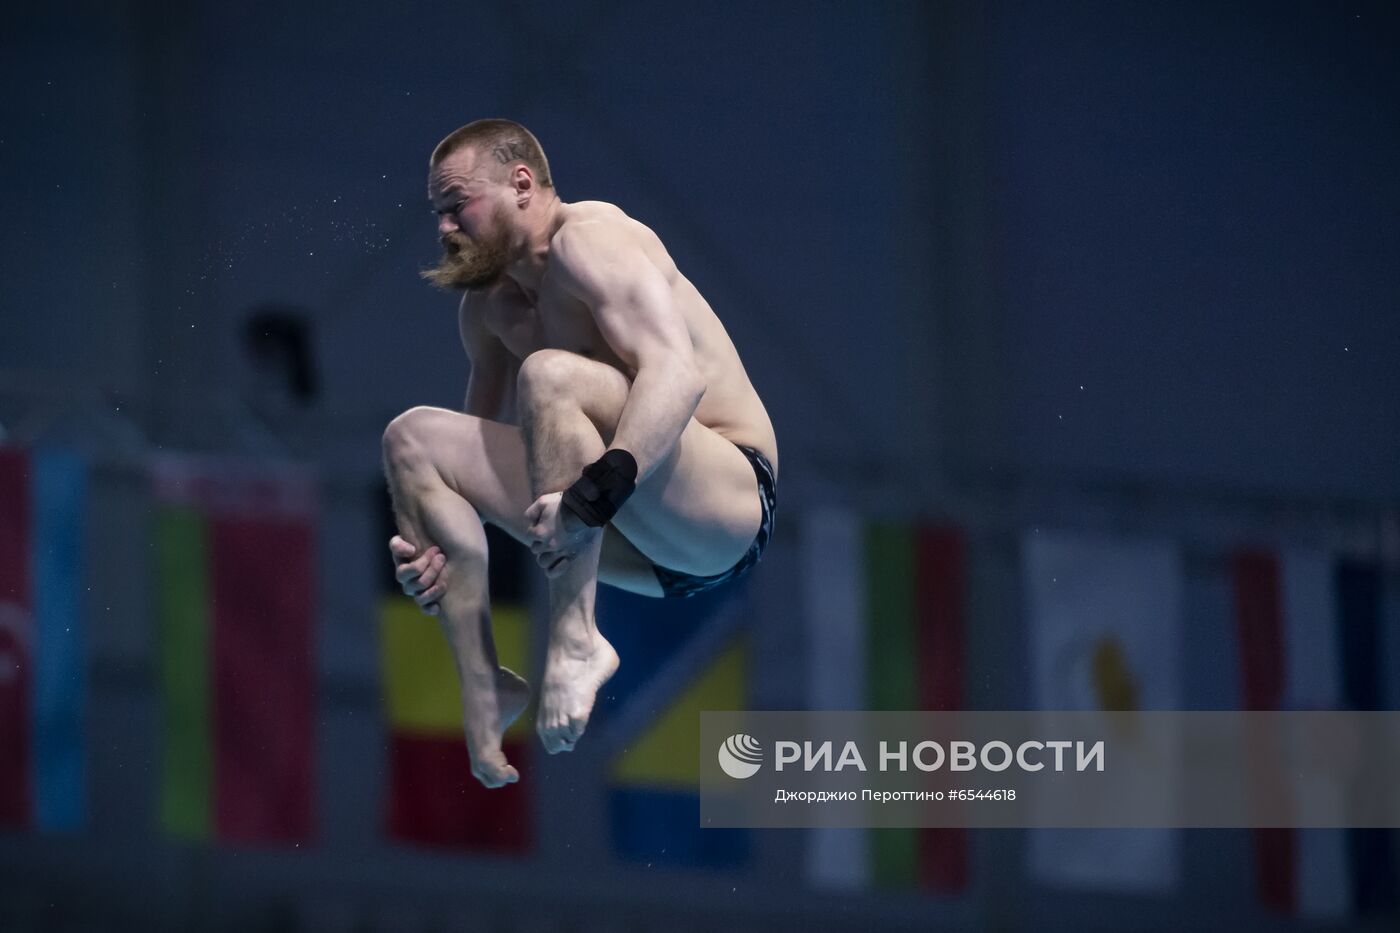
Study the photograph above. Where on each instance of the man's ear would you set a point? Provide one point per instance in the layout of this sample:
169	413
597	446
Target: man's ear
523	181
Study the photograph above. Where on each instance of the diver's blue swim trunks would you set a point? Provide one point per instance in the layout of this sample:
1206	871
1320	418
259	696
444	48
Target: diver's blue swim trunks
679	585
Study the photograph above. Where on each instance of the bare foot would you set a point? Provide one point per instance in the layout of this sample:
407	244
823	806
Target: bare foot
571	683
499	705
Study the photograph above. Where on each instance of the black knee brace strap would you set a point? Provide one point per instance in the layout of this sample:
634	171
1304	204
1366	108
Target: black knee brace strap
604	486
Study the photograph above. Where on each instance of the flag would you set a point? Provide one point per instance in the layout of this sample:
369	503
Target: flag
432	798
1104	622
42	678
884	606
693	660
1309	626
235	557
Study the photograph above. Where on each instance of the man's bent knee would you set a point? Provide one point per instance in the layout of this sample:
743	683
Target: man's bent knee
406	439
548	376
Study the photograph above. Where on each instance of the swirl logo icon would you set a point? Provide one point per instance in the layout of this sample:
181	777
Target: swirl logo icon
740	756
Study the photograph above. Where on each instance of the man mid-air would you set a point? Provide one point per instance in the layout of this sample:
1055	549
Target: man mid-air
609	424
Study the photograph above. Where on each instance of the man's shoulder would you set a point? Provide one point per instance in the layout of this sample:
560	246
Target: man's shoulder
595	240
470	319
588	224
477	312
473	305
577	212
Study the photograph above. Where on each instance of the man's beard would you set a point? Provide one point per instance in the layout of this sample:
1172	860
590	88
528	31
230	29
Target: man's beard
468	263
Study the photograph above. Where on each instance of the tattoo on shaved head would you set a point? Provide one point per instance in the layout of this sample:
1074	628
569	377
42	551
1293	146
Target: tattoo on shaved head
510	151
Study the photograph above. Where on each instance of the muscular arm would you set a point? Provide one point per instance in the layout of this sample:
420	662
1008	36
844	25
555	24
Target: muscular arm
491	383
632	305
